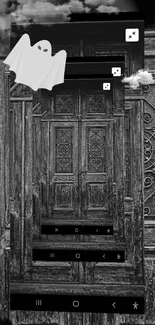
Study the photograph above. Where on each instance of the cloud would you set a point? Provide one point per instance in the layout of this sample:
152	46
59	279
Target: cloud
76	6
72	6
66	9
43	11
87	9
104	6
107	9
142	77
95	3
145	77
39	12
133	81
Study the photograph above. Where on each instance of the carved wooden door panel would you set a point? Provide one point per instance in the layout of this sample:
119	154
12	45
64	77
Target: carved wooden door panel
62	198
60	162
96	153
96	167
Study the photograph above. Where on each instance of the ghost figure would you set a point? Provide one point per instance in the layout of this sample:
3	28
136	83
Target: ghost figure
34	66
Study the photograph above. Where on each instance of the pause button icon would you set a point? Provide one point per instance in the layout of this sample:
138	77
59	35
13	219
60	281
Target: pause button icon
38	302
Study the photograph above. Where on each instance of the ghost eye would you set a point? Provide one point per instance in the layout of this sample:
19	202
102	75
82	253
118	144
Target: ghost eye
39	47
45	50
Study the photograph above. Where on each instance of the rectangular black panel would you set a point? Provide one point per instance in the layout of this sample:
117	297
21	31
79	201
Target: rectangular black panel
87	83
93	67
96	59
76	230
87	75
110	28
121	16
70	303
78	255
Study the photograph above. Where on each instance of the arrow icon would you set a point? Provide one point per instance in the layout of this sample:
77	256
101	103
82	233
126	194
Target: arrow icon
114	304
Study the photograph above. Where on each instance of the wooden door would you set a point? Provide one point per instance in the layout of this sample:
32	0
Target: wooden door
85	167
79	171
77	156
82	183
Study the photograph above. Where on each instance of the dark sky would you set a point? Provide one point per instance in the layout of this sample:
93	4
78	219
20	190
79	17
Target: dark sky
148	8
129	5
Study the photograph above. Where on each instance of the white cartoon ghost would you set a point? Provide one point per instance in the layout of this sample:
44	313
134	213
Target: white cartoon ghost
34	66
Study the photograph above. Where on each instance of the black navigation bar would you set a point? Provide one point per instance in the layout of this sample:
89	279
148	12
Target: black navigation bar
78	255
76	230
78	303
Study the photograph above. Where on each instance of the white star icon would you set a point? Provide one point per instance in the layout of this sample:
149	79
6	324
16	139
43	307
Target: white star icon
108	230
135	305
118	256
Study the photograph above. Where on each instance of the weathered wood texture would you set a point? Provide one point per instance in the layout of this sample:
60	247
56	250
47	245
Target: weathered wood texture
4	192
20	178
